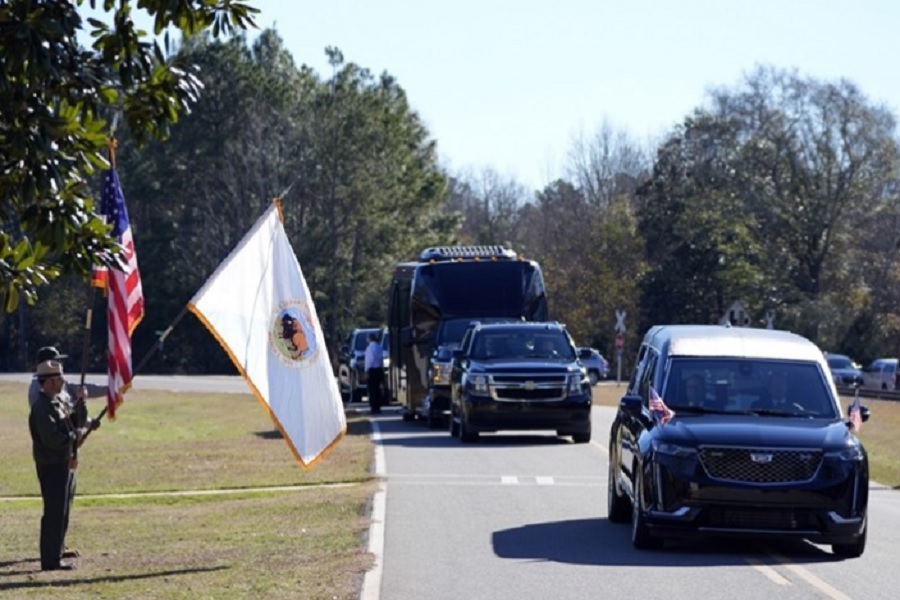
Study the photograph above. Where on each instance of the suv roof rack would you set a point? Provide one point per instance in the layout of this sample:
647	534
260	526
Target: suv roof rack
442	253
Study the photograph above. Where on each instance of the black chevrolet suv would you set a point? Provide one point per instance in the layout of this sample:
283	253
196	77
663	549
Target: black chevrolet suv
736	431
520	376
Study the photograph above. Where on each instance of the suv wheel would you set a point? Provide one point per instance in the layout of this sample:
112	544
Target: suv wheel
853	549
454	426
593	376
581	438
640	533
465	435
617	509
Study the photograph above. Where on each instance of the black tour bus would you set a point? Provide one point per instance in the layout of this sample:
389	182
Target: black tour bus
432	301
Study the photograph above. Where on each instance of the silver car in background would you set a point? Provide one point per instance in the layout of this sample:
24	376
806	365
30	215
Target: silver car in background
595	365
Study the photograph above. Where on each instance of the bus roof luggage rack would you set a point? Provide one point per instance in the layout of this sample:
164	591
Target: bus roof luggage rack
470	252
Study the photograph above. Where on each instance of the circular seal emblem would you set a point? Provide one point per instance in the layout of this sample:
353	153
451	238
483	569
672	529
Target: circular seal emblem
292	336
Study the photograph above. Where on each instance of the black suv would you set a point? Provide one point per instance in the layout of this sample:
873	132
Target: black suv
351	362
521	376
736	431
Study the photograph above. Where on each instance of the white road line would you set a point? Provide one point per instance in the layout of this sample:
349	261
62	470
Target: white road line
810	578
509	480
768	571
371	587
544	480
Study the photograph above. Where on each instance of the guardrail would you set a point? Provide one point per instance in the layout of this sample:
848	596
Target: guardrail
870	393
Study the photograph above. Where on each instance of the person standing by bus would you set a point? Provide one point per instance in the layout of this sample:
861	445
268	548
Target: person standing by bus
374	364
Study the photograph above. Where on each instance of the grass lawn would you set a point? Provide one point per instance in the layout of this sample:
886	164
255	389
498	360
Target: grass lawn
262	528
880	435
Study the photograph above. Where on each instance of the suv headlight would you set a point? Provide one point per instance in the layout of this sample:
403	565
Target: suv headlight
848	454
573	383
440	373
477	383
674	449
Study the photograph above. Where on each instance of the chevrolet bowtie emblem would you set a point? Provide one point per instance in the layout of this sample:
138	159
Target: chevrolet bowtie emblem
529	385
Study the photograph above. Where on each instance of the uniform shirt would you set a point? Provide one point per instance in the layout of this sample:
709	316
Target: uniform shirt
52	433
374	356
68	394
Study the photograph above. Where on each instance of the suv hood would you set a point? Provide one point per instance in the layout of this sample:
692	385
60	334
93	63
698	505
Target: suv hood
756	431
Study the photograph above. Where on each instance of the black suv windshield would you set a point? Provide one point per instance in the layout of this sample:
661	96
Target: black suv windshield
743	385
524	342
362	338
451	331
839	362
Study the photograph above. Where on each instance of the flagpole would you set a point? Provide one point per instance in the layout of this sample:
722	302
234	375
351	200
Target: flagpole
86	345
92	290
159	342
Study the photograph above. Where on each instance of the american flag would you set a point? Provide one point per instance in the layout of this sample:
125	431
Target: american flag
659	408
855	413
125	298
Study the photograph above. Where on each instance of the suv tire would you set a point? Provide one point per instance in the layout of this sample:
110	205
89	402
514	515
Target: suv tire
640	533
853	549
617	509
465	435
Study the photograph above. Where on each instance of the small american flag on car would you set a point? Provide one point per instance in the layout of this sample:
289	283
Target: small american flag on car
659	408
855	414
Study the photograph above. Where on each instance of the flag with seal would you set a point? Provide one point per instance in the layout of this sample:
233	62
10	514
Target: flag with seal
258	306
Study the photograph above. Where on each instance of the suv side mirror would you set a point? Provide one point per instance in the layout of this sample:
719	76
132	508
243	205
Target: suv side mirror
632	404
864	413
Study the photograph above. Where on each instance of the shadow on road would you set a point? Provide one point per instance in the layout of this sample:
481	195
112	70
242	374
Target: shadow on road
599	542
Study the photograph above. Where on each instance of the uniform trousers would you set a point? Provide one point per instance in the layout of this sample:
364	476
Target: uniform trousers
54	480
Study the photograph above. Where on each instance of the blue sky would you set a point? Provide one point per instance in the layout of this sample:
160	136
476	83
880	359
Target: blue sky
508	84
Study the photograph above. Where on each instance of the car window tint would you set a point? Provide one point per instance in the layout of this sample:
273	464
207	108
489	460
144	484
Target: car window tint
743	384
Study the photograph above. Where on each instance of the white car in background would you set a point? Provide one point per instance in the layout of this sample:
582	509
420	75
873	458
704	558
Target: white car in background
880	374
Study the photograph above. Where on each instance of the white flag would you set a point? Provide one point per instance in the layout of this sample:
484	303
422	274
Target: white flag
257	304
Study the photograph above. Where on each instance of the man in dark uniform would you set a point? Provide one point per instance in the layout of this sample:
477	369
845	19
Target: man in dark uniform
54	438
73	397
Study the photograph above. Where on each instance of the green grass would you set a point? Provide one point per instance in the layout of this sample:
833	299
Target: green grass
236	541
879	435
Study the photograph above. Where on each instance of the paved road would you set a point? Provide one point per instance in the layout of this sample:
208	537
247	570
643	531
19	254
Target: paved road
524	516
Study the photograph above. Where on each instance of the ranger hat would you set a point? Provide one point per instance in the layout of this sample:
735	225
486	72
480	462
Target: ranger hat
49	353
49	368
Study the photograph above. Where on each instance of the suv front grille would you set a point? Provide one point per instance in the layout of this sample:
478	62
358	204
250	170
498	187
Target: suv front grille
528	388
760	465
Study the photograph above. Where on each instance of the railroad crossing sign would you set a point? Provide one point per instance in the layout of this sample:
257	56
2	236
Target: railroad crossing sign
770	319
620	321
